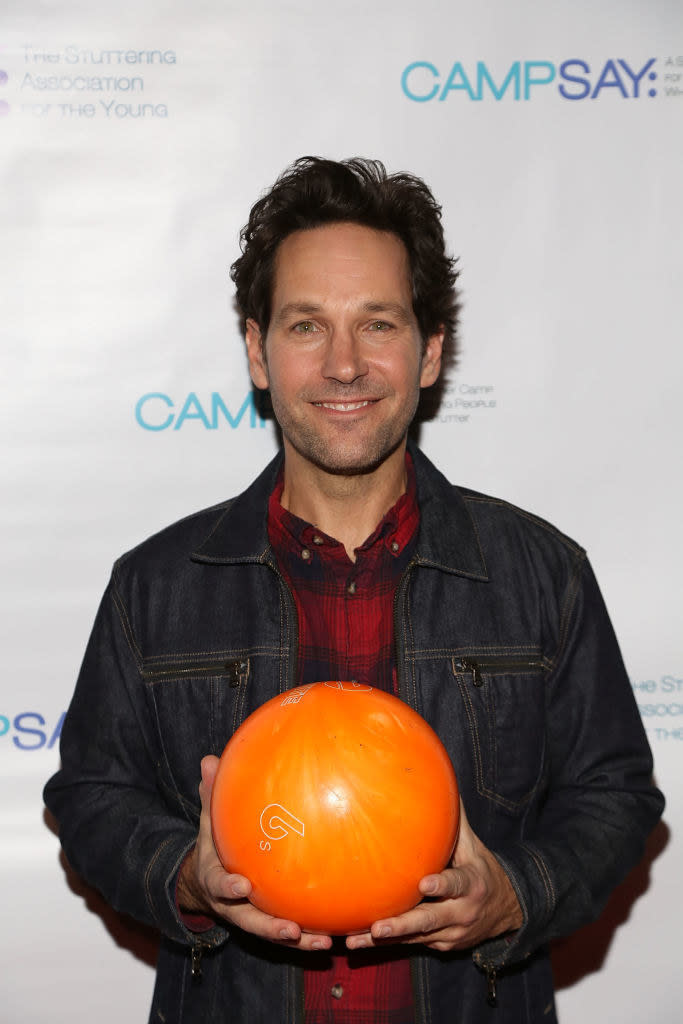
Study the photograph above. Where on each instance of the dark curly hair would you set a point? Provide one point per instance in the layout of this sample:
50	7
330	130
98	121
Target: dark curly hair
313	192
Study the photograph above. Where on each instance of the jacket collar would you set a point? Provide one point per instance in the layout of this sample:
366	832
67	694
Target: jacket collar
447	538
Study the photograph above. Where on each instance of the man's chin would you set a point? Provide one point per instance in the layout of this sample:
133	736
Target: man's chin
349	462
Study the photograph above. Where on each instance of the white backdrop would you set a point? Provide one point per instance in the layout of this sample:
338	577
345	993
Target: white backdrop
133	141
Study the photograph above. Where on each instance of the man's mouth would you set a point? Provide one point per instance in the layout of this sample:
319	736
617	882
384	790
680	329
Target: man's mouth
343	406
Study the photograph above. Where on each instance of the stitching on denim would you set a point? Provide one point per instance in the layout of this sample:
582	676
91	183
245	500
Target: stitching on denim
238	652
476	533
214	698
148	872
125	625
430	563
482	649
220	519
472	724
548	527
410	660
240	700
285	626
568	611
192	810
509	805
545	876
482	788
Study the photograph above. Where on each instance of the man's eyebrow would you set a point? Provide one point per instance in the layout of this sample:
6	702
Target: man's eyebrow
393	309
291	309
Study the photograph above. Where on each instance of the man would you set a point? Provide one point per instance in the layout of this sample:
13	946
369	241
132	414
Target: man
352	557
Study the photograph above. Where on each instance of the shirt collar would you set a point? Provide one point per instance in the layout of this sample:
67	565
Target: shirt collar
394	531
448	538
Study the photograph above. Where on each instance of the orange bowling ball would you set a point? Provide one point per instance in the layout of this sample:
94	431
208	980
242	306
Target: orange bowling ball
334	799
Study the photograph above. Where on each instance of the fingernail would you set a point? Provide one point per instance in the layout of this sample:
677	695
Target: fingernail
318	945
384	932
430	888
239	890
286	934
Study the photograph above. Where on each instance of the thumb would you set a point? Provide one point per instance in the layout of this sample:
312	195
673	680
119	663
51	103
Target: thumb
209	767
466	841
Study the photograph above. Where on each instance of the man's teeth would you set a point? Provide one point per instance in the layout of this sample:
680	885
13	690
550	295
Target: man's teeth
343	406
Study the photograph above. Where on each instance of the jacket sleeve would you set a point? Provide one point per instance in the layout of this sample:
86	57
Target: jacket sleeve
115	826
601	803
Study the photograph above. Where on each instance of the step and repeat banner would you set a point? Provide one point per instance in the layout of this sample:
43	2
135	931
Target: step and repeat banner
133	140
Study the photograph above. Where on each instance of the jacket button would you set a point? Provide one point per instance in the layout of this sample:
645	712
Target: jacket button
337	991
305	554
351	589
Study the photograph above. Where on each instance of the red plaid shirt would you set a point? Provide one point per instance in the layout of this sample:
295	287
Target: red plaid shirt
346	631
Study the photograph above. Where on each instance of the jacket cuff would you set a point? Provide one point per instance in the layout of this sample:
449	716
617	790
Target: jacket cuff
531	881
161	882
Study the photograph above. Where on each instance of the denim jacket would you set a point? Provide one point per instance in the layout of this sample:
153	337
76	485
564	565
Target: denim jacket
503	644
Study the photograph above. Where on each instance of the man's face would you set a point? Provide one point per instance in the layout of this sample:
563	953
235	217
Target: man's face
343	356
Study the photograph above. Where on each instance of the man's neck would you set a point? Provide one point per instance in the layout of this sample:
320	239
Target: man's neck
346	507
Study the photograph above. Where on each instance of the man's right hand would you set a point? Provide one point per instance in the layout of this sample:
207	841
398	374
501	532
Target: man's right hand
205	888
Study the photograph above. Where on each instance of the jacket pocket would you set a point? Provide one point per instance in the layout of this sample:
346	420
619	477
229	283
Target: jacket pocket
197	702
504	701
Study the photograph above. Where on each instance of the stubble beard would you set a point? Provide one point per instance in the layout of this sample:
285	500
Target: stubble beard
355	459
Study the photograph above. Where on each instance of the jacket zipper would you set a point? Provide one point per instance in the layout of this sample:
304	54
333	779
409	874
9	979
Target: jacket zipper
236	670
496	663
196	953
491	993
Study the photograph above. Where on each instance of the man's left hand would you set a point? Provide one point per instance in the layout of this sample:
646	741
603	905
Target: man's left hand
470	901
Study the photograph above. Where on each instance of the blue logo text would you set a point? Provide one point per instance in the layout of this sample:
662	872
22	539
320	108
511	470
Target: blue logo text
157	411
423	81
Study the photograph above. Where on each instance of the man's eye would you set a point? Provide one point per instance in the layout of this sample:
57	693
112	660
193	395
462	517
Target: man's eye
305	327
380	325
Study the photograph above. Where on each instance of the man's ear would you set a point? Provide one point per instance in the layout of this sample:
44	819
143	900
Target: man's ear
431	359
258	368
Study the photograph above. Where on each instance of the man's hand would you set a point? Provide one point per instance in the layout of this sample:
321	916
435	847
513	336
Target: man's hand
205	888
469	902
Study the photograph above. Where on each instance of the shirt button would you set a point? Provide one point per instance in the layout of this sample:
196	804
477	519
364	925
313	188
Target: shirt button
351	589
318	540
337	991
395	546
305	554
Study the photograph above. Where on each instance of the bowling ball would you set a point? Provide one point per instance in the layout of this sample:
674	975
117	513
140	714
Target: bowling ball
334	799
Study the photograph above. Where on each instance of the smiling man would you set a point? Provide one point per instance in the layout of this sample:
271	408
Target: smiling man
352	557
344	362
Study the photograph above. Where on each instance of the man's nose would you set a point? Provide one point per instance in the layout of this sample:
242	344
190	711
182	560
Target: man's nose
344	359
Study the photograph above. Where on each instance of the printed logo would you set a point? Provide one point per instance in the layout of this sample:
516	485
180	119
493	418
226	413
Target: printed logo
295	696
463	402
75	82
31	731
157	411
277	822
659	714
575	79
349	686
